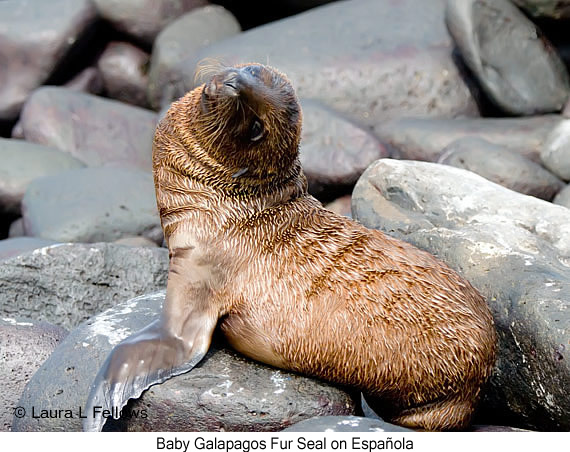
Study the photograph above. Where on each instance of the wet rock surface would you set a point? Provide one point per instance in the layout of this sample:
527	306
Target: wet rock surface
121	204
425	139
508	55
66	284
182	39
97	131
224	392
24	346
502	166
123	69
396	62
35	36
345	424
334	152
22	162
514	249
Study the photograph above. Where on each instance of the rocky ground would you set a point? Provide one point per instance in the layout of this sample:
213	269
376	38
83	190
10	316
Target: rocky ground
453	116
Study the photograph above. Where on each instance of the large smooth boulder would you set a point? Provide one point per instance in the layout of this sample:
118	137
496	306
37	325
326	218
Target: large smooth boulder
502	166
143	19
124	68
555	154
66	284
426	138
513	62
92	205
24	346
554	9
224	392
368	59
182	39
35	35
514	249
97	131
334	152
22	162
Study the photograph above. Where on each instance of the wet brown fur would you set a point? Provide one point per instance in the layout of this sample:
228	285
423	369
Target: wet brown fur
302	288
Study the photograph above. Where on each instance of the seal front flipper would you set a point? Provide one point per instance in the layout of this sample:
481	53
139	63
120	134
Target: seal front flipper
170	346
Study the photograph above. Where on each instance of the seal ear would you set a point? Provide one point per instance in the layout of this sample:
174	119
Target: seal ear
169	346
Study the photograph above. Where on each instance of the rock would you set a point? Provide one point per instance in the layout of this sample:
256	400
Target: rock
504	167
24	346
124	72
143	19
136	242
16	228
334	152
514	63
425	138
555	9
97	131
563	198
224	392
345	424
88	80
368	59
566	112
514	249
34	37
341	206
555	154
12	247
181	39
495	428
22	162
92	205
66	284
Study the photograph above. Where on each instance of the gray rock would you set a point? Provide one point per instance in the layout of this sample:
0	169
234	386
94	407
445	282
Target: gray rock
136	242
555	154
24	346
143	19
515	65
425	138
16	228
12	247
345	424
124	69
92	205
502	166
341	206
514	249
566	111
554	9
34	37
333	150
563	198
181	39
89	80
368	59
224	392
97	131
22	162
66	284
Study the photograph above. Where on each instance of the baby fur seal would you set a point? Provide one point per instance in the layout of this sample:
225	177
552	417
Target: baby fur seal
289	283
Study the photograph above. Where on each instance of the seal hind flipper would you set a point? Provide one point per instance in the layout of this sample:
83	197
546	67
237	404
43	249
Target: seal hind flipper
169	346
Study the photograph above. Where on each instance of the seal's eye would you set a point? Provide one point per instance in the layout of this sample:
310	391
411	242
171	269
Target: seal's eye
256	131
